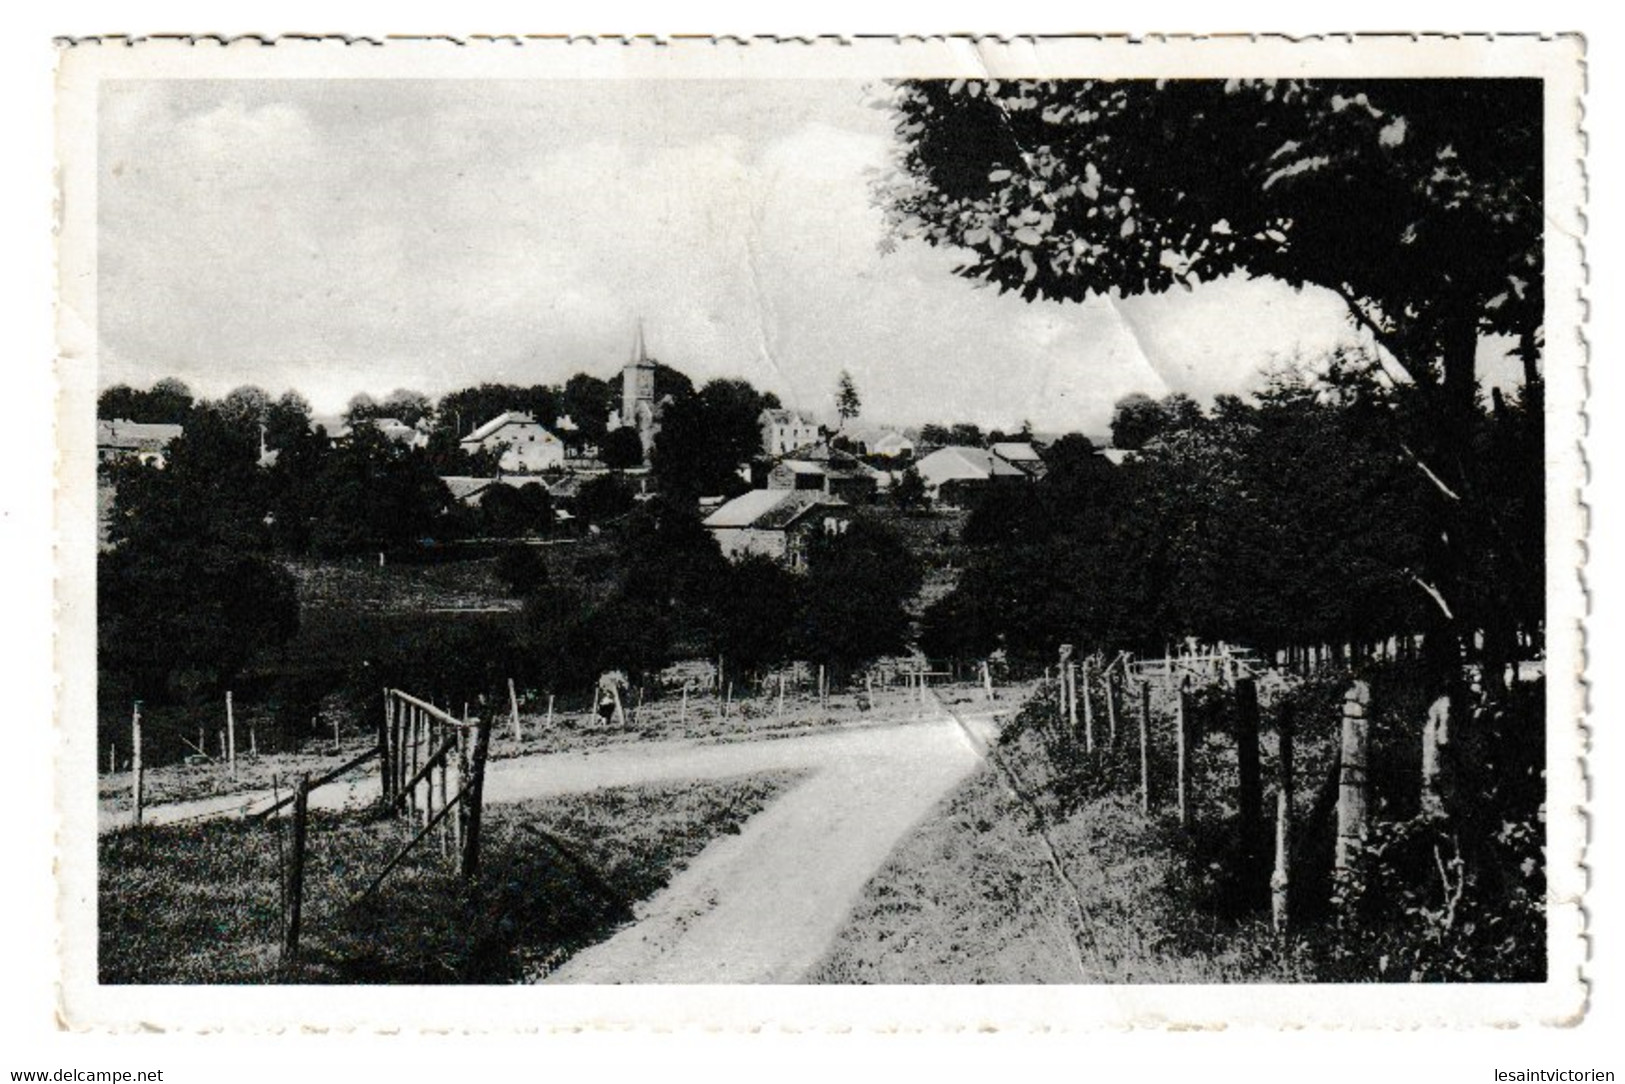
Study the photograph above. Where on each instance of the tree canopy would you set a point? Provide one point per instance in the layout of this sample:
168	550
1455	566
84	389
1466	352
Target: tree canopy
1418	201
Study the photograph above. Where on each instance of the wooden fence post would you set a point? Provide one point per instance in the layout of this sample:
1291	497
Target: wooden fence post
296	872
1281	878
231	736
136	796
385	767
1071	677
1145	746
780	710
1182	765
1113	687
1088	710
1249	782
987	680
1063	667
1435	736
1352	778
475	799
513	709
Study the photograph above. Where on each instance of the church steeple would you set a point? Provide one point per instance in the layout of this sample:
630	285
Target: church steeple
640	355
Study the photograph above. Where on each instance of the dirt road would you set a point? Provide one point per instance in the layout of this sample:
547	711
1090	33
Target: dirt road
760	906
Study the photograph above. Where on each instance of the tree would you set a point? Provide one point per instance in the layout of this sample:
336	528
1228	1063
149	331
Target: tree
361	408
370	494
209	491
1419	202
909	492
287	421
168	402
516	511
754	614
246	407
181	616
1136	419
588	400
603	498
406	405
621	448
847	403
704	440
855	600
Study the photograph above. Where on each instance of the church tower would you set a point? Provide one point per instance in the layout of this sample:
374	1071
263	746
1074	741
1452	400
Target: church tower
638	392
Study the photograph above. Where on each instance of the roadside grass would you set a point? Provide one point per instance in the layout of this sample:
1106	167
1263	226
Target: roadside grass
201	903
1042	868
973	896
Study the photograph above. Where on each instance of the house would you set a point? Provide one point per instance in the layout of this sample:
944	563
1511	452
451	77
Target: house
786	430
776	523
797	474
1020	454
522	443
953	473
824	469
144	441
876	441
398	432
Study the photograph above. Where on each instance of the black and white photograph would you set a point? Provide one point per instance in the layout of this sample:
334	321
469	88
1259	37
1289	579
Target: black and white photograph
656	514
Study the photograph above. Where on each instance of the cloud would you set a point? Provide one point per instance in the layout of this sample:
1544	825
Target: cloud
339	237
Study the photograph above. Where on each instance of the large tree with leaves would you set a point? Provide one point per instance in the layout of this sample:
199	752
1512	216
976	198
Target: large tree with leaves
1419	202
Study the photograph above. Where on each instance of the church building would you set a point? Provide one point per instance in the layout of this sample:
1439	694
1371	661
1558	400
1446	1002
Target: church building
639	410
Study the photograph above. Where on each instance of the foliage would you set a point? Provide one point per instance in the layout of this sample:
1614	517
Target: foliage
287	421
1139	419
604	498
754	610
1414	909
1283	521
209	491
588	400
515	511
705	439
847	403
1416	201
168	401
858	586
182	617
621	448
909	492
406	405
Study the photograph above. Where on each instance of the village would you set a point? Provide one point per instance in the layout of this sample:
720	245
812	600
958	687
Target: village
801	475
1224	671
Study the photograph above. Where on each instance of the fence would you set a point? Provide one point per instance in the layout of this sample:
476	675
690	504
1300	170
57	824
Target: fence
1096	703
431	768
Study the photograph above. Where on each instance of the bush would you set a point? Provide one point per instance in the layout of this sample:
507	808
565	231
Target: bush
522	569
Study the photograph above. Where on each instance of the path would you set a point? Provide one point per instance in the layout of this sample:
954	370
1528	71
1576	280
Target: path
759	906
763	906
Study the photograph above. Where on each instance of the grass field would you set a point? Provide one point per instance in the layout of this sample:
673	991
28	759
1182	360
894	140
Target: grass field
201	903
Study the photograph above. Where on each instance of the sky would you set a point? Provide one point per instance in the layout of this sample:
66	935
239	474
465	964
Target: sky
340	236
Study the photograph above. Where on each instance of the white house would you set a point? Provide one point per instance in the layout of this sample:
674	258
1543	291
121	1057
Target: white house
879	441
950	472
786	430
121	439
776	523
523	444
